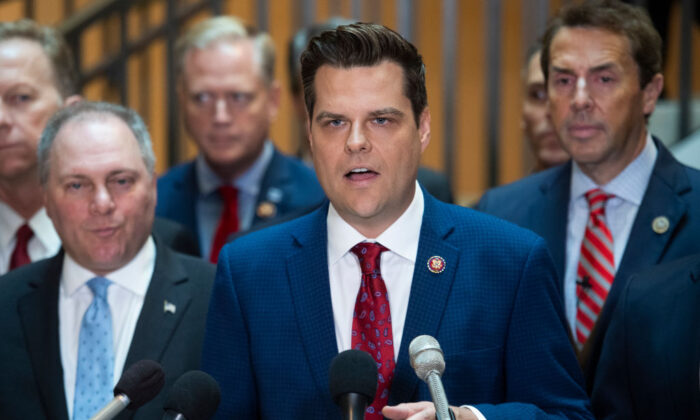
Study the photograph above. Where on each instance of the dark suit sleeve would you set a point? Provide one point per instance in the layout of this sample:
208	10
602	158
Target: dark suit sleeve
611	396
225	354
539	361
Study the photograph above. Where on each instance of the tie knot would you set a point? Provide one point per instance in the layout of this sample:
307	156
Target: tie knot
369	254
99	286
24	233
228	193
596	200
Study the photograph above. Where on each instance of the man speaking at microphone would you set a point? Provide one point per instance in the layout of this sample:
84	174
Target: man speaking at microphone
382	263
114	294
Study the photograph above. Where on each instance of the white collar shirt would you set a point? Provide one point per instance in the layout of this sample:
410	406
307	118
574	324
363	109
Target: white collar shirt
125	296
628	188
396	265
43	244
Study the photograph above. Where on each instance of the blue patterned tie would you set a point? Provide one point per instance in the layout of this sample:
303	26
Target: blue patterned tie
94	377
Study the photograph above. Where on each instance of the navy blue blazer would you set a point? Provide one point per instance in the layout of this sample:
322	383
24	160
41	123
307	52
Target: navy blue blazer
31	374
540	203
650	364
495	310
288	184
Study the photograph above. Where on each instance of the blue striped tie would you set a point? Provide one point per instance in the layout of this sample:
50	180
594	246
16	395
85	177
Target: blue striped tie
94	376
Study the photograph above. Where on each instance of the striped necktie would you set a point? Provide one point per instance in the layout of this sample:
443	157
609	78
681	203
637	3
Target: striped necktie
596	266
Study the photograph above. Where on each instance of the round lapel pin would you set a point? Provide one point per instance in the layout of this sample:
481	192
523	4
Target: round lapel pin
660	224
436	264
266	210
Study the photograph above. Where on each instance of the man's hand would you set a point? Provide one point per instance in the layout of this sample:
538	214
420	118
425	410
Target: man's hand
422	411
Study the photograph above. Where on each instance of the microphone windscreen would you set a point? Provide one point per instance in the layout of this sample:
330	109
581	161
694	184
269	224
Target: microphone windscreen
353	371
141	382
195	395
426	356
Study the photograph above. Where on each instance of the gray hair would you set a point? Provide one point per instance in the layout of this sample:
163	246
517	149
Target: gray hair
83	110
227	28
53	45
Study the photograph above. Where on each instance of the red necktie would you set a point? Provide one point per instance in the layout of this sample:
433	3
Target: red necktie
371	323
596	267
20	256
228	223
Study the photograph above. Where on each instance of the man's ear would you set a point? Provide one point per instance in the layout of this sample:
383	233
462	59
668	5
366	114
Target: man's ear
424	129
73	99
651	93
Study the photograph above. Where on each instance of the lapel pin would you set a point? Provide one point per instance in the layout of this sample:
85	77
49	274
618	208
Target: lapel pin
168	307
660	224
436	264
266	210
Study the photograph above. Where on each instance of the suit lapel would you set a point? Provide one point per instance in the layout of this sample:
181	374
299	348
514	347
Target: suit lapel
38	313
164	305
429	294
273	188
551	214
188	194
311	297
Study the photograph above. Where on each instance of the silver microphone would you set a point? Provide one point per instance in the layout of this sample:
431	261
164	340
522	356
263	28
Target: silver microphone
428	362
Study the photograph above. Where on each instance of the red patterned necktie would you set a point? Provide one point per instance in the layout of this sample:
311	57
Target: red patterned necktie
228	223
371	323
20	256
596	267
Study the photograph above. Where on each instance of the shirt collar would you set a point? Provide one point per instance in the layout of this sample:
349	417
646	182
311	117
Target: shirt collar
40	223
401	237
629	185
130	276
248	182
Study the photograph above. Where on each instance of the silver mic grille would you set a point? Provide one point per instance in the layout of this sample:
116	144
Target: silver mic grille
426	356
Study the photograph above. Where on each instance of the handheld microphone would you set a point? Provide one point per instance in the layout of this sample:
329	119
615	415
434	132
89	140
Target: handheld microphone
353	382
138	385
428	362
194	396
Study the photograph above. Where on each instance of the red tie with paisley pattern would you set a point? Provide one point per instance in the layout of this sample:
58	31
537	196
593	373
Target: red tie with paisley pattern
371	323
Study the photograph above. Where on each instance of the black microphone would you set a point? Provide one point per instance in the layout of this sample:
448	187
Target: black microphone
428	362
139	384
194	396
353	382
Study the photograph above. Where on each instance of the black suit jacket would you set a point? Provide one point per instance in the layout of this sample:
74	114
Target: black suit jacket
31	375
650	364
540	203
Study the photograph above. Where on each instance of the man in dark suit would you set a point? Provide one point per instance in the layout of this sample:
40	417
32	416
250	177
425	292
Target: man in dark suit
112	279
229	97
623	203
650	364
388	252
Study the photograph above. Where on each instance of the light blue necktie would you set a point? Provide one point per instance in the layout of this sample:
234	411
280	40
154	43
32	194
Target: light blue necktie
94	376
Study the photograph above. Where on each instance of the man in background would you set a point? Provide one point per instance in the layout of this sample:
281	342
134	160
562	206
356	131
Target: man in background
115	294
37	78
623	203
229	97
537	128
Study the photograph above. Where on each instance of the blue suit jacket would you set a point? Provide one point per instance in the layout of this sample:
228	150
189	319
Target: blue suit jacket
495	310
651	357
288	184
540	203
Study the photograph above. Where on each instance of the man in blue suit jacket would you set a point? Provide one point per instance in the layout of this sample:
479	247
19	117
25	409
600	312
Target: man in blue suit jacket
602	61
650	364
229	98
286	299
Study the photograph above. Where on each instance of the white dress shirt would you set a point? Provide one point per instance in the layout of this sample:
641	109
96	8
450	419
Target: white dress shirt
125	296
396	266
45	242
210	205
628	189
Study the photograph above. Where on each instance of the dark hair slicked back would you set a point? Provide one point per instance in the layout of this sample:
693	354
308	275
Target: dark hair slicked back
364	44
